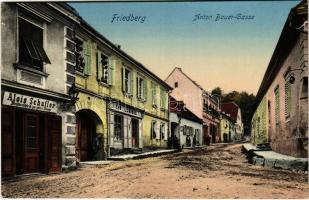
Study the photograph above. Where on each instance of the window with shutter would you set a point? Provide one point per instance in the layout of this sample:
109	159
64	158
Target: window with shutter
127	81
31	51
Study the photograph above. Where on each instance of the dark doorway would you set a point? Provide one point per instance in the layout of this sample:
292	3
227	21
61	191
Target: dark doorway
174	136
86	144
206	138
213	133
135	133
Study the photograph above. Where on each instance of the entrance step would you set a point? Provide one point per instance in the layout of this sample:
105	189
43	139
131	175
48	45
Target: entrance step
142	155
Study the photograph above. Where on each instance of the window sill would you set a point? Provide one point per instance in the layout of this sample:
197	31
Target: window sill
29	69
81	74
163	109
128	95
141	100
104	84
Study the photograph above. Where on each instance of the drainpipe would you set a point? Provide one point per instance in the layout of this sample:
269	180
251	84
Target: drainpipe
108	129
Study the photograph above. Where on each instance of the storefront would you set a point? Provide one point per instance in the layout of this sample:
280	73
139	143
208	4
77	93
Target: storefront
125	127
31	133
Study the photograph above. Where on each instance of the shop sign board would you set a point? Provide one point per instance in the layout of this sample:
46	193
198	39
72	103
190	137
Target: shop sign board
29	102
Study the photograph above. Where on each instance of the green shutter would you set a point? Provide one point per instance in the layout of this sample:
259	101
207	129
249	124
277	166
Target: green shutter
111	71
145	89
99	66
137	87
87	57
123	79
131	83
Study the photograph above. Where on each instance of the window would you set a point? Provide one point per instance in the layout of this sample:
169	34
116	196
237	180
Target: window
104	68
126	81
176	85
31	52
162	99
118	127
154	94
153	130
277	105
141	88
304	89
288	97
162	131
80	62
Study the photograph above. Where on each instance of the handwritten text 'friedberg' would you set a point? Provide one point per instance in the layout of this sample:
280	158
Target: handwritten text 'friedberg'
128	18
219	17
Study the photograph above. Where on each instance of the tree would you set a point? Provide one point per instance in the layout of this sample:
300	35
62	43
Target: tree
217	91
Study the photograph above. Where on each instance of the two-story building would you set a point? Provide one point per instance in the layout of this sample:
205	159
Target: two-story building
198	101
36	107
122	105
232	109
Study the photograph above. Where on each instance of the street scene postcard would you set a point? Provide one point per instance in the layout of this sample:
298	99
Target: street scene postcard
154	99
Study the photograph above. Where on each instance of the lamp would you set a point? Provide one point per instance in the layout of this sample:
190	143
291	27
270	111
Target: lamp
73	93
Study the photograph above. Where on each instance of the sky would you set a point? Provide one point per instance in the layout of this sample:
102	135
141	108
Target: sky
229	52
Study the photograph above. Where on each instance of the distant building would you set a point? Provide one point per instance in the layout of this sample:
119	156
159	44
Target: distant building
281	112
186	127
227	128
198	101
234	111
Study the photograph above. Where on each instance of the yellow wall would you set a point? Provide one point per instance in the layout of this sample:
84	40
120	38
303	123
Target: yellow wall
224	128
90	83
259	123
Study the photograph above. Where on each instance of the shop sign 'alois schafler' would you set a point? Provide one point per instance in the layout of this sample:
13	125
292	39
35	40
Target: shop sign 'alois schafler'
33	103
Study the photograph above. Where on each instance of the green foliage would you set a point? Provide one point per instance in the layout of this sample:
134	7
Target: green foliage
217	91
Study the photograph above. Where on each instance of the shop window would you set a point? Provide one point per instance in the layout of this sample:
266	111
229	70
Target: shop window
141	88
277	106
31	51
104	68
288	98
126	81
118	127
153	130
162	131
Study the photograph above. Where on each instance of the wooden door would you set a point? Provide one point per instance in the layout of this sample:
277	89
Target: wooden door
7	144
84	138
77	144
53	124
31	145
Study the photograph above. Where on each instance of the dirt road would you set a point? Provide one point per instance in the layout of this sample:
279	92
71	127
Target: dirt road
219	171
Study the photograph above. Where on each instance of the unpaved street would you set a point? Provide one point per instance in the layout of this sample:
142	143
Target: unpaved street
219	171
